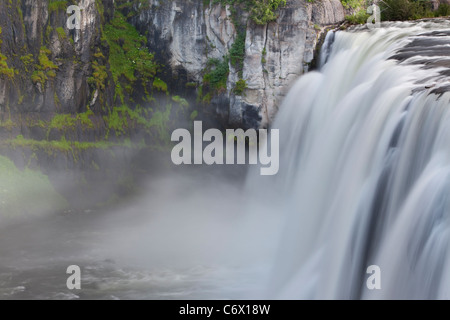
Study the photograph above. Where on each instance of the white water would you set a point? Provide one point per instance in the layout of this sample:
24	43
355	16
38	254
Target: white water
365	173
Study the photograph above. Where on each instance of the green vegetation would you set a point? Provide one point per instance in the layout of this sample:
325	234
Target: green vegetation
214	79
353	4
129	57
237	53
241	85
360	17
131	5
261	11
65	122
395	10
160	122
194	115
27	61
122	119
443	10
56	5
217	74
45	69
181	101
159	85
65	146
4	69
410	10
99	75
61	33
26	191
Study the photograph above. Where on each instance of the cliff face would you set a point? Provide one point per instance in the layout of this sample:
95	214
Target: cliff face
51	63
77	103
186	35
289	44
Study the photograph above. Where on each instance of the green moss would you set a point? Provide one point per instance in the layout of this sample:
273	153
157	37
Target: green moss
207	98
65	122
20	100
85	120
8	124
191	85
56	99
27	60
4	69
160	121
117	122
61	33
193	115
99	76
62	121
53	147
129	57
45	69
48	31
181	101
159	85
56	5
122	118
44	62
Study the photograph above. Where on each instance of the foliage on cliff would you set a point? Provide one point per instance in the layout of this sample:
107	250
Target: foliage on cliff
4	69
128	57
261	11
410	10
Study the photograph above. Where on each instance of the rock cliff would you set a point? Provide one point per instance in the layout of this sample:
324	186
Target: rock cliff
76	103
187	34
53	67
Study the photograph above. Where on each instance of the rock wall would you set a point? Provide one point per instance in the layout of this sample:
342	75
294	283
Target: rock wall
185	35
28	26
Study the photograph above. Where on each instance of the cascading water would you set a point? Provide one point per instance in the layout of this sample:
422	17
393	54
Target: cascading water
365	168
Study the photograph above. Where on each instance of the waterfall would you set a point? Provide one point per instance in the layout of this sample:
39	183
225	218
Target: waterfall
365	168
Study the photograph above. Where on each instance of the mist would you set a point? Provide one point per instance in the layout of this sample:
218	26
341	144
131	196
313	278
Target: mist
189	232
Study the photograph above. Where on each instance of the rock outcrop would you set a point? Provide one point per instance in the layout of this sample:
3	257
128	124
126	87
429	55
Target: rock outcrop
34	33
185	35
